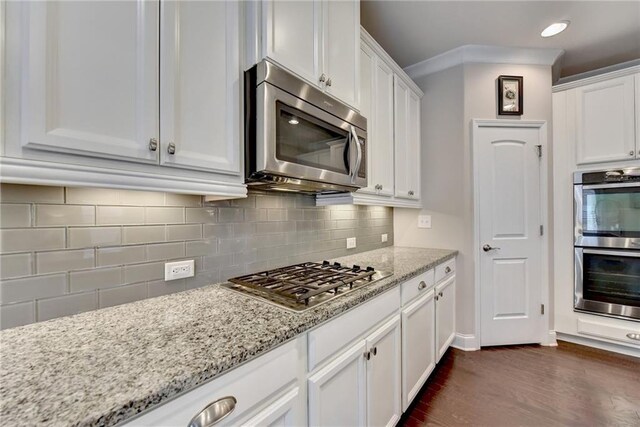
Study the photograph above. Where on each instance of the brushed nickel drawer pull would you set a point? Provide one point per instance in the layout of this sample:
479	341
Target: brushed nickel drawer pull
214	412
633	336
422	285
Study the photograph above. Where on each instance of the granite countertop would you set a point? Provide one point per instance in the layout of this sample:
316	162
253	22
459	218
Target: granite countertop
104	366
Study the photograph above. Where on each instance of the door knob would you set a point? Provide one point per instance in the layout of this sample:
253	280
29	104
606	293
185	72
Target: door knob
488	248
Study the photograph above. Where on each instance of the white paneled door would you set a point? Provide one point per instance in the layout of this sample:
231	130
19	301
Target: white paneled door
508	199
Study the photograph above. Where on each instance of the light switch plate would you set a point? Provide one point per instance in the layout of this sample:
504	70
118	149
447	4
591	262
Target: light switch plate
351	242
178	270
385	237
424	221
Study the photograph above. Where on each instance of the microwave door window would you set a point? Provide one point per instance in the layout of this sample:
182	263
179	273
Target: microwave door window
611	212
306	140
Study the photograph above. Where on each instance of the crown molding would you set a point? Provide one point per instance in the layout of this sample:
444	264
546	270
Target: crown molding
599	75
485	55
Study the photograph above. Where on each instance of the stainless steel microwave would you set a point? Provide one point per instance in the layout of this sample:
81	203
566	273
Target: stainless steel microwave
299	139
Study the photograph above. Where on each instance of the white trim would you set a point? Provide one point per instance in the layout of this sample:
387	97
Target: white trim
365	199
23	171
373	44
466	342
483	54
602	345
551	340
542	125
601	74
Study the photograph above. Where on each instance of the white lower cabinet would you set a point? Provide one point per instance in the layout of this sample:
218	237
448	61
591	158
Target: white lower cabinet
418	345
362	368
445	315
337	394
383	375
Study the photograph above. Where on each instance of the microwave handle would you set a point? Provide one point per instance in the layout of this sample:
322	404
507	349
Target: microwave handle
354	137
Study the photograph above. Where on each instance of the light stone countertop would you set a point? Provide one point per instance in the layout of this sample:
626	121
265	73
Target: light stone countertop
102	367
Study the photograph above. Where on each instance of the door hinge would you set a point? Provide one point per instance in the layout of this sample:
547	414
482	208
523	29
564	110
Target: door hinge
542	230
539	150
541	308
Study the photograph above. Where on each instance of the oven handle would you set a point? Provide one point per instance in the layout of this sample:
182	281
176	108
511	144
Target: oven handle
607	252
354	137
612	185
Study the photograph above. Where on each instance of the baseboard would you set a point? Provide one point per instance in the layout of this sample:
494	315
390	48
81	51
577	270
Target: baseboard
602	345
466	342
551	339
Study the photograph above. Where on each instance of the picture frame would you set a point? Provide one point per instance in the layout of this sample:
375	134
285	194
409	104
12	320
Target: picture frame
510	95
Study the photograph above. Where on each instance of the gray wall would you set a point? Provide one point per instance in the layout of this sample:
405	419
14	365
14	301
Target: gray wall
453	98
69	250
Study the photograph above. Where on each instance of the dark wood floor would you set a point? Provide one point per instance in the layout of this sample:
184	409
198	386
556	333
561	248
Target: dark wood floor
569	385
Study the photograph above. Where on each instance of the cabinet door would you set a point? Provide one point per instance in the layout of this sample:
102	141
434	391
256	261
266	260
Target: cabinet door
384	406
291	36
413	151
637	114
383	128
337	394
401	136
92	83
445	315
418	345
367	109
341	47
605	121
200	87
281	413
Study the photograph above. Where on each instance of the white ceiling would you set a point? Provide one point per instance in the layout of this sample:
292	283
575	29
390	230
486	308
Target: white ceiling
601	33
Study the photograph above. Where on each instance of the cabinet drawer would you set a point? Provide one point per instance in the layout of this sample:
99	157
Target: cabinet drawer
252	384
445	269
414	287
612	332
327	339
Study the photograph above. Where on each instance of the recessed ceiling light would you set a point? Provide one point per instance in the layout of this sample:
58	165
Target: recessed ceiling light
293	121
555	28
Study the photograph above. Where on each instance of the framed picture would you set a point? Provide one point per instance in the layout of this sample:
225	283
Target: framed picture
510	95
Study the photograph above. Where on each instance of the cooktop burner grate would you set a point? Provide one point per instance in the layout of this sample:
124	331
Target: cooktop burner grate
307	284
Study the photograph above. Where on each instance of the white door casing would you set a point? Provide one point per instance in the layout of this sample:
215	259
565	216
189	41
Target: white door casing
509	216
91	86
200	86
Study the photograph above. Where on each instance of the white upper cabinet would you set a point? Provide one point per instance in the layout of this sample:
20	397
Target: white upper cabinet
319	40
143	95
367	108
200	90
341	49
290	36
605	121
91	72
407	141
382	129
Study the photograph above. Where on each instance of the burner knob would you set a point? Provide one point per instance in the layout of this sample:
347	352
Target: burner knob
371	268
325	262
355	268
337	265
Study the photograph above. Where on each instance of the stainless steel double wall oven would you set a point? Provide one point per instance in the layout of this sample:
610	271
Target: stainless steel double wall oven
607	242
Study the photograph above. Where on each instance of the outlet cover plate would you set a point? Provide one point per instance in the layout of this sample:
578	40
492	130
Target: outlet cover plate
178	270
385	237
424	221
351	242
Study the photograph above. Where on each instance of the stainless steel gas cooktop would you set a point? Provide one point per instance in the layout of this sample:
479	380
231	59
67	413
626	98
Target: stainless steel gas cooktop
303	286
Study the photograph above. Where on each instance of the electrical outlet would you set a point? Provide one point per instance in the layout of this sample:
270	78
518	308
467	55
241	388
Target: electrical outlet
385	237
424	221
351	242
178	270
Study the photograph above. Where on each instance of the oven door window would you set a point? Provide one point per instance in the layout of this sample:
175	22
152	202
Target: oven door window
306	140
611	278
611	212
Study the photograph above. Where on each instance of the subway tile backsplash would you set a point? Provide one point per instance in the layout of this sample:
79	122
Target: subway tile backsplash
68	250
